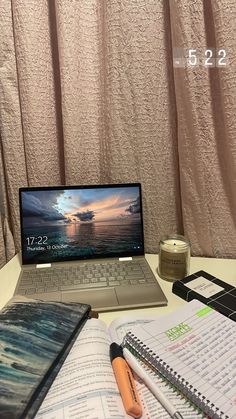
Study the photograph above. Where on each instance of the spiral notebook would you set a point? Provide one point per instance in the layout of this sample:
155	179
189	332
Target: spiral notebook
194	349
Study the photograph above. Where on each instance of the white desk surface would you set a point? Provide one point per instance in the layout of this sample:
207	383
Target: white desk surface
224	269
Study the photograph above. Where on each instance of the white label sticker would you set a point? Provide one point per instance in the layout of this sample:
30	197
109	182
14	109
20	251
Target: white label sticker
204	287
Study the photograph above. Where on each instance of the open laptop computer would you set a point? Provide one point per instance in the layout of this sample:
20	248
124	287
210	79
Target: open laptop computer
86	244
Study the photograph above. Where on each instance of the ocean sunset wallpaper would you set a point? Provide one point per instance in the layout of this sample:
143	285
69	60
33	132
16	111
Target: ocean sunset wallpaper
79	223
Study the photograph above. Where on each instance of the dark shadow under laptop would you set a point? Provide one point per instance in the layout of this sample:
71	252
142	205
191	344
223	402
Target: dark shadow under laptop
86	244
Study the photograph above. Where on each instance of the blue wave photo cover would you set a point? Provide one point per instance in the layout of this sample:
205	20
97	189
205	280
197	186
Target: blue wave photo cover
33	334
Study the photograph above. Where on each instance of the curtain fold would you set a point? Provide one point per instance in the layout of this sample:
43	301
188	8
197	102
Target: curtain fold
7	245
13	170
8	250
205	101
81	58
89	95
37	91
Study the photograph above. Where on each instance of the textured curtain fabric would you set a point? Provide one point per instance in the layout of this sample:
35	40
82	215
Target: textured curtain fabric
206	105
89	95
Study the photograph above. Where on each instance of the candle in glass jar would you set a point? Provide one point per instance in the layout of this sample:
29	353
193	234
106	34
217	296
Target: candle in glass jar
174	257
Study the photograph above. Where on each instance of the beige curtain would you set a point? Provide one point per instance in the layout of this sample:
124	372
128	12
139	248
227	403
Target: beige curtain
206	105
89	94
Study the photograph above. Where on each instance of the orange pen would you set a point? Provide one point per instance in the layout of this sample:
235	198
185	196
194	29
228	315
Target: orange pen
125	382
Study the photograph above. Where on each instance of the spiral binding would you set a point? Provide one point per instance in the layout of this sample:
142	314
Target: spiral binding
148	356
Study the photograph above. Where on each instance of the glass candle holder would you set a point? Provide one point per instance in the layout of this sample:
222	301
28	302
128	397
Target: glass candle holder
174	257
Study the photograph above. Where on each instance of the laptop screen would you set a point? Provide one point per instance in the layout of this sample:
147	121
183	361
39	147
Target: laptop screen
80	222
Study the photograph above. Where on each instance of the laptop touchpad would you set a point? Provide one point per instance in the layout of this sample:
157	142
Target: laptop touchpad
96	298
140	294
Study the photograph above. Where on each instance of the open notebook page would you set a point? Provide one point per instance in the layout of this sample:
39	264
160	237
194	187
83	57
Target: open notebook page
199	344
85	387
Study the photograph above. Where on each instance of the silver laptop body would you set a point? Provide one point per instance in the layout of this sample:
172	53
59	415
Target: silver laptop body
86	244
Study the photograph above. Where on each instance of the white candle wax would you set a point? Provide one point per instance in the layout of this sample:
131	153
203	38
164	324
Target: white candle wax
174	245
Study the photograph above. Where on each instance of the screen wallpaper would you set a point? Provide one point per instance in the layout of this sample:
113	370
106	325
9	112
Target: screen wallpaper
67	224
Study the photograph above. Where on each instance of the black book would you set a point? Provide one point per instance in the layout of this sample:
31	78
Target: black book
210	290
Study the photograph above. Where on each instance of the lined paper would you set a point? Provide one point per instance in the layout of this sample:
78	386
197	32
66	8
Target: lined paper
198	343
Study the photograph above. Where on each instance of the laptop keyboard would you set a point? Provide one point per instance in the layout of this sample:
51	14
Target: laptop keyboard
85	276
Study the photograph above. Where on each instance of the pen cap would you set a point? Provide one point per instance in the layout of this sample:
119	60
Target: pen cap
115	351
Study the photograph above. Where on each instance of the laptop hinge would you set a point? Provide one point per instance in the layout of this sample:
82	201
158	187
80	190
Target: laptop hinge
43	265
124	259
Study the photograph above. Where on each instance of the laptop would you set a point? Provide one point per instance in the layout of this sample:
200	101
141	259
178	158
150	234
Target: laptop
86	244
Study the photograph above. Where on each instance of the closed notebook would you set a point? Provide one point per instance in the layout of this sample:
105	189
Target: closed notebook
194	349
209	290
35	338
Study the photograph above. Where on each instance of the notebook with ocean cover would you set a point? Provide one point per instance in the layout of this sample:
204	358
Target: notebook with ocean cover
35	338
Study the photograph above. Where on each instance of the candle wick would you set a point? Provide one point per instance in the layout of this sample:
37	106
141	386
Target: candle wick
174	244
